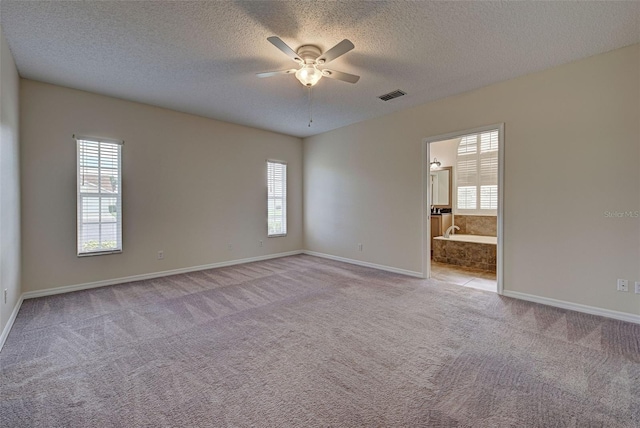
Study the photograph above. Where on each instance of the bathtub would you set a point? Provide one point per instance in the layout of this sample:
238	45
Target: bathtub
477	239
474	251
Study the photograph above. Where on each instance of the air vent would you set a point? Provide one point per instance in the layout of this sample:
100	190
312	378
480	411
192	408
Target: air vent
391	95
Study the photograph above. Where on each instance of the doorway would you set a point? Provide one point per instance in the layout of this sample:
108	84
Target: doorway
463	223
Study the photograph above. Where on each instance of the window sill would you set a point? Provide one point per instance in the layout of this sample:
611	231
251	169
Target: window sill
99	253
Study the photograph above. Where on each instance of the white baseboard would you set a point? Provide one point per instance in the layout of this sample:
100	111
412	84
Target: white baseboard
366	264
122	280
12	318
622	316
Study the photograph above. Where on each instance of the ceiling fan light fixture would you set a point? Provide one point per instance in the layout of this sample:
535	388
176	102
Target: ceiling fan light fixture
308	75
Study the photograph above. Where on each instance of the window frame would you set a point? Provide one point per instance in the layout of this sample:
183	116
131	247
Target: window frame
284	197
81	195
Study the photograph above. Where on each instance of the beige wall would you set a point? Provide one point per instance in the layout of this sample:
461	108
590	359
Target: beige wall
10	183
191	186
566	130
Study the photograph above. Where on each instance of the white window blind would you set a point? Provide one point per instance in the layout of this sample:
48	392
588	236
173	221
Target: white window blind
477	173
99	198
276	198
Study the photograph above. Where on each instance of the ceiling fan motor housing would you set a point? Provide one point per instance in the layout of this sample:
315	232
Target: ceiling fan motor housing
309	53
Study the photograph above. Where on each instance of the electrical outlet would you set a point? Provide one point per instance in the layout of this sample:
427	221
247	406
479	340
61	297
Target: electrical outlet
359	247
637	287
160	255
5	295
623	285
261	243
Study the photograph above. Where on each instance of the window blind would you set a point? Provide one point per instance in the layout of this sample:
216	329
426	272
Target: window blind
467	173
477	173
276	198
99	196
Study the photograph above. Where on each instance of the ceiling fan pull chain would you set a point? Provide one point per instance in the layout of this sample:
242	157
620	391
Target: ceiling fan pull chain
310	117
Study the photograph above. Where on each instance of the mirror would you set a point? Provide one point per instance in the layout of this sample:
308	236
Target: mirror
441	187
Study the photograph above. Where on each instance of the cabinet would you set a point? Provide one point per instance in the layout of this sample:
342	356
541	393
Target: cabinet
439	224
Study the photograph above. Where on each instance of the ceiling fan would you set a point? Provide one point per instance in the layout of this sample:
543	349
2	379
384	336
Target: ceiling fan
309	57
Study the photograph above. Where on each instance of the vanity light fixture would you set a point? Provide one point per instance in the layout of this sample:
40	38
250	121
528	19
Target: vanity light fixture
435	164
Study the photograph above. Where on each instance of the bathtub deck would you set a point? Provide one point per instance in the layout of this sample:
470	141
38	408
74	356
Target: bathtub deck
477	239
459	252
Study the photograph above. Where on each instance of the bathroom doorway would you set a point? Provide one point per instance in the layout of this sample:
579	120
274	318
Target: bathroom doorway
463	207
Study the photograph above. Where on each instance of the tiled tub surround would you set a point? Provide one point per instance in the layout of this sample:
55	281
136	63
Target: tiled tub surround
476	224
460	251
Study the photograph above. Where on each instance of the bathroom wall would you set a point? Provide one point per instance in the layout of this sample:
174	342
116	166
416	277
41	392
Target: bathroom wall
485	225
445	151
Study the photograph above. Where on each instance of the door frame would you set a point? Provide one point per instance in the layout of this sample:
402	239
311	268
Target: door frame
426	212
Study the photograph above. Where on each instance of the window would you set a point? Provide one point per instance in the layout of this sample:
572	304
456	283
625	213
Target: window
99	200
276	198
477	174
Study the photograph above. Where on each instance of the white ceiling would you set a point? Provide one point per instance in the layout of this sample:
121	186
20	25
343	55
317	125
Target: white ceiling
201	57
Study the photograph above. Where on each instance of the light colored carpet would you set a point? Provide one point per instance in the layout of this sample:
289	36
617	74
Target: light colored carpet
305	342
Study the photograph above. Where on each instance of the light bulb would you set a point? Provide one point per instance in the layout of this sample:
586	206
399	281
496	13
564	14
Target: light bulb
308	75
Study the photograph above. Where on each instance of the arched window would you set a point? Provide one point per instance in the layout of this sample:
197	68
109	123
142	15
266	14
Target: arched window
477	174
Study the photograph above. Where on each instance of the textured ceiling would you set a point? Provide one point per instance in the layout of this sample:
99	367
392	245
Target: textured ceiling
201	57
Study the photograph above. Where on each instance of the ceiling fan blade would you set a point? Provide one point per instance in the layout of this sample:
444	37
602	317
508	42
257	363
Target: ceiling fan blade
277	42
339	75
275	73
340	49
